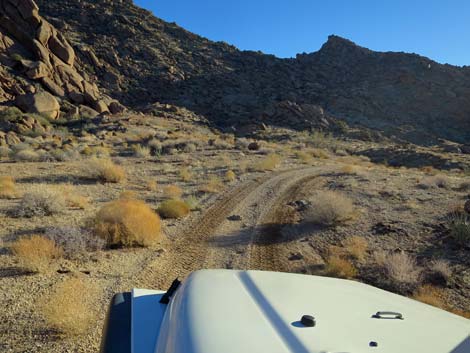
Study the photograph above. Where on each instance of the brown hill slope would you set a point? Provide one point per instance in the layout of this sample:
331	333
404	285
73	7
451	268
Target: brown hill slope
141	59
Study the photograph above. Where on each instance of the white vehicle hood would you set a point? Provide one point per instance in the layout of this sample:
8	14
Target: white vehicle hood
225	311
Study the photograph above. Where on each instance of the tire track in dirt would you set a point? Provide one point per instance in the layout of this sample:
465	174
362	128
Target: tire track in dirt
194	249
188	253
267	245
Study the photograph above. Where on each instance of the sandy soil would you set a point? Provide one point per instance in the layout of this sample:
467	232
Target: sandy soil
251	224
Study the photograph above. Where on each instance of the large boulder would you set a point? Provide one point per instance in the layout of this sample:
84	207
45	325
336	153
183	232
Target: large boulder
41	103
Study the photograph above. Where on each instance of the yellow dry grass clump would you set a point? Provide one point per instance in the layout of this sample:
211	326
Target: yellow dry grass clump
336	266
356	247
230	176
105	170
173	209
213	185
8	188
329	208
349	169
127	223
172	191
431	295
270	162
70	308
36	253
185	174
73	199
437	297
152	185
304	157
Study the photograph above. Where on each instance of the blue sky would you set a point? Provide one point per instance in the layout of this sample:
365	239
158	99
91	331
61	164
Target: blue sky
438	29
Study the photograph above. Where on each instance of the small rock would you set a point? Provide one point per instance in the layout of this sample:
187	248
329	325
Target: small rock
299	205
295	256
234	217
254	146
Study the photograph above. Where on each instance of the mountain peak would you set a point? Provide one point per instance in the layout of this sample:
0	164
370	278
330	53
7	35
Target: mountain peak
336	45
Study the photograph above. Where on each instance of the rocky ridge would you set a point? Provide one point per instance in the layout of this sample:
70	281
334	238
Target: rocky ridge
116	49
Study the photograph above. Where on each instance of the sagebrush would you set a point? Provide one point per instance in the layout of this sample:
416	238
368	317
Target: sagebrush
127	223
36	253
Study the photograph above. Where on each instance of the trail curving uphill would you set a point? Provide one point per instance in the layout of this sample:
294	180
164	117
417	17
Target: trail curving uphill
249	240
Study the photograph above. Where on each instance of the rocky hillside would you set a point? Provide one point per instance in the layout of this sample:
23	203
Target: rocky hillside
39	71
138	59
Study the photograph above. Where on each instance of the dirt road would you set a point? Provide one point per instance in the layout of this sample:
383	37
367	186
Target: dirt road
241	230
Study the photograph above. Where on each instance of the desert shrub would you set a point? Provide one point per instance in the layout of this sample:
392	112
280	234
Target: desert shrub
319	139
173	209
401	272
349	169
222	144
141	151
36	252
329	208
356	247
320	153
75	242
152	185
40	201
230	176
193	202
96	151
26	155
304	157
127	223
440	271
8	188
65	156
104	170
459	226
73	199
213	185
185	174
270	162
10	114
431	295
242	143
435	181
337	266
189	148
172	191
70	308
155	143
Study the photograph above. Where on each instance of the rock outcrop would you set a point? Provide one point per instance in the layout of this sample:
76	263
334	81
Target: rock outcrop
39	69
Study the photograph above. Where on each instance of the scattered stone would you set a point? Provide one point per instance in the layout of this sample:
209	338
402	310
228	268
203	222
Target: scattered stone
387	228
234	218
300	205
296	256
254	146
